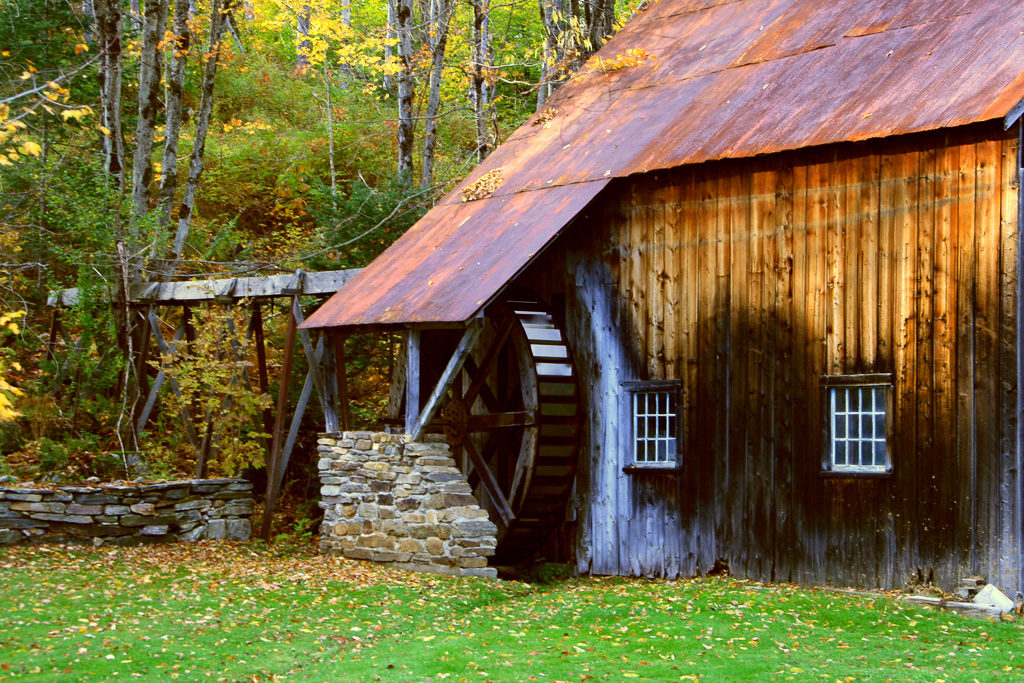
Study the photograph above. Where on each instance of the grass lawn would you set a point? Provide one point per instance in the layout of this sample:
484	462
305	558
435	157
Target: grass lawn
229	612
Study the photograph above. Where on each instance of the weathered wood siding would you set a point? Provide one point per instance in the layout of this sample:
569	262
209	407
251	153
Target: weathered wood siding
750	280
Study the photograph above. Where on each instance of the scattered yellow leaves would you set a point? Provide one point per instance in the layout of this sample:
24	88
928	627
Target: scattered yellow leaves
482	186
545	117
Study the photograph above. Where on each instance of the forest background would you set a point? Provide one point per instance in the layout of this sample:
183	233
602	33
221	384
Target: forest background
185	139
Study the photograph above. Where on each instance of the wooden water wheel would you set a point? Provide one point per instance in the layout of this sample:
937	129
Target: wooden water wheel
512	421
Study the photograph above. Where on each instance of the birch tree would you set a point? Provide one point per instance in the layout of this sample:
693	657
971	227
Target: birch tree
406	85
481	68
438	22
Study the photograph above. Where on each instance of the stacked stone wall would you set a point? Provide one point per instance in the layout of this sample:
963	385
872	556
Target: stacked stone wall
390	500
127	514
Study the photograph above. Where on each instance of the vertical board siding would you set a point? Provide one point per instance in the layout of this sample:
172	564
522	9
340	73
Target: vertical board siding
748	281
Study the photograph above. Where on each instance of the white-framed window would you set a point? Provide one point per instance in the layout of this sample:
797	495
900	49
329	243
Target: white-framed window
858	410
654	424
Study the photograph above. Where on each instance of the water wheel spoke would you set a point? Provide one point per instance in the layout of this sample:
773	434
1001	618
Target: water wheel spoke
488	421
483	391
501	505
479	375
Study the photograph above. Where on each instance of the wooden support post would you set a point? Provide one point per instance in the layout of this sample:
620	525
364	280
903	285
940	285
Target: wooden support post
300	410
450	374
490	483
261	362
166	349
341	380
282	406
329	401
412	380
161	376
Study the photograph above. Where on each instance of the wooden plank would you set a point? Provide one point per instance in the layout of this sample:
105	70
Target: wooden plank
924	395
868	255
966	423
329	401
654	267
836	246
412	383
341	368
733	501
307	348
905	472
785	407
297	414
987	356
450	374
396	392
760	468
673	256
944	469
1011	523
889	182
811	525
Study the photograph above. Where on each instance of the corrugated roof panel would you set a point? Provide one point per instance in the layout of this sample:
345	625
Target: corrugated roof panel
733	79
451	263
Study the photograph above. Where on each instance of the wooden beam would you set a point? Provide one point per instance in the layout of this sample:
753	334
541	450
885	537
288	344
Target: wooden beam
480	374
282	406
307	347
297	414
501	505
261	361
396	394
197	291
341	371
451	372
412	380
329	400
478	423
158	383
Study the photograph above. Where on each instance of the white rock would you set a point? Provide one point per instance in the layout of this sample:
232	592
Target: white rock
990	595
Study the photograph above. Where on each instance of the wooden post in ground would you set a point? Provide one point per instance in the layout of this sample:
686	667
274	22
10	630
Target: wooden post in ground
276	468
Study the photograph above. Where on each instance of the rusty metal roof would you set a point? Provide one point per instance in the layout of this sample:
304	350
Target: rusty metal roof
730	79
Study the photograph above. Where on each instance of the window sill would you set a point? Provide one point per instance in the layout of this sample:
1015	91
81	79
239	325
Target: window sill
853	474
648	469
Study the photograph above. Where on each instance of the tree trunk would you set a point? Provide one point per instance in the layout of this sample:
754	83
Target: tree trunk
304	46
482	67
346	13
218	12
150	70
172	133
600	22
437	31
404	29
108	32
389	36
553	17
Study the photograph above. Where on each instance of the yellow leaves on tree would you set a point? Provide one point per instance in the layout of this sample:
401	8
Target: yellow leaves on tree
633	57
8	325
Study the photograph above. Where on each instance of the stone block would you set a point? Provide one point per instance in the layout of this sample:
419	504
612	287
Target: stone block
24	497
348	510
239	529
395	527
363	444
424	530
438	501
406	504
330	490
116	510
199	504
58	497
231	495
472	562
53	508
69	519
216	530
412	478
385	499
358	553
154	530
389	556
143	508
8	537
388	512
456	514
376	541
107	530
324	463
76	509
414	517
473	528
340	529
192	535
176	494
409	545
145	520
368	510
471	552
187	516
457	487
377	466
238	508
434	546
434	461
444	477
96	499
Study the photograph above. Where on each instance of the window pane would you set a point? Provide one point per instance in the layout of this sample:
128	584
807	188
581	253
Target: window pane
839	398
879	454
854	425
840	452
880	426
866	426
854	400
840	423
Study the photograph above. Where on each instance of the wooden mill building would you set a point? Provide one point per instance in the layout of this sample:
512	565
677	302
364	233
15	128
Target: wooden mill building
747	292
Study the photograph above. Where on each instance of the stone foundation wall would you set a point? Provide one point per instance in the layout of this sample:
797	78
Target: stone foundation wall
127	514
387	499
